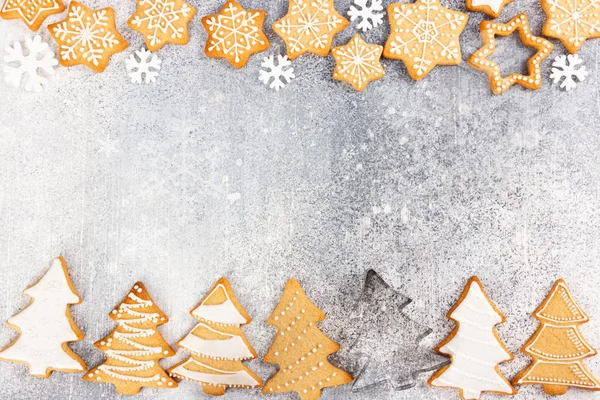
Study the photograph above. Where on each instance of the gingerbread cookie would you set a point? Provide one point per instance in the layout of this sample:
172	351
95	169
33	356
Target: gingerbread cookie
31	12
492	8
357	63
571	21
218	345
300	348
309	27
424	34
87	37
474	347
46	327
235	33
134	347
162	22
558	348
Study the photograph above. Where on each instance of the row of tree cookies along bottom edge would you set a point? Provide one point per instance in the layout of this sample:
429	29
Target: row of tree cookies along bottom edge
466	360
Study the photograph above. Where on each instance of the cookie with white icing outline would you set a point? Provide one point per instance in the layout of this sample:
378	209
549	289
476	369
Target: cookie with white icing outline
474	347
134	347
492	8
217	344
46	327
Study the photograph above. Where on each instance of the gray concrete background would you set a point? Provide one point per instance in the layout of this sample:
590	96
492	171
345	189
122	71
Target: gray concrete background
208	173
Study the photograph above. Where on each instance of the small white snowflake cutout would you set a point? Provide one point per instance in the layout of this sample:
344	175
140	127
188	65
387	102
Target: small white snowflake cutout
369	18
35	60
565	67
145	66
279	72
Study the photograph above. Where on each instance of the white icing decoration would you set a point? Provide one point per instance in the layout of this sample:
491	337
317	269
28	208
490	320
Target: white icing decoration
475	350
220	377
233	348
44	325
495	5
224	313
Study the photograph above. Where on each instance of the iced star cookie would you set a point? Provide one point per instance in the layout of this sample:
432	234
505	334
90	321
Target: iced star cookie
492	8
474	347
357	63
134	347
479	60
162	22
217	344
46	327
309	27
424	34
31	12
300	348
558	348
235	33
572	21
87	37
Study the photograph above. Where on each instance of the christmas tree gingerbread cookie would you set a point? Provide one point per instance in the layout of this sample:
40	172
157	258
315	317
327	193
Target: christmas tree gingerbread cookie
46	326
134	347
218	345
474	347
558	348
301	349
31	12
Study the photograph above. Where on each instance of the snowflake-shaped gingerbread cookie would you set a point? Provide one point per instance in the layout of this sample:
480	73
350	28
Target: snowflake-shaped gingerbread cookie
565	69
87	37
309	27
278	74
143	66
31	12
235	33
369	15
572	21
162	22
357	63
32	63
424	34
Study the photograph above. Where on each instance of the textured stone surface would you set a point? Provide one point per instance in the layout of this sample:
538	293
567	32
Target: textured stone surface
208	173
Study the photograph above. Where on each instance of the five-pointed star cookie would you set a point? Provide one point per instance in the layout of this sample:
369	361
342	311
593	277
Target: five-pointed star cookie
309	27
358	63
235	33
479	60
492	8
162	22
31	12
424	34
87	37
572	21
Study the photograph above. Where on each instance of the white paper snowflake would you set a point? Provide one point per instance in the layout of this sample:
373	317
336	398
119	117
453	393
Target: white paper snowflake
146	65
565	67
369	18
279	72
36	59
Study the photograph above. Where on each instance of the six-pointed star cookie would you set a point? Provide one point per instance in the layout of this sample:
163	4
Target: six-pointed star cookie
424	34
493	8
162	22
87	37
358	63
31	12
235	33
572	21
309	27
489	30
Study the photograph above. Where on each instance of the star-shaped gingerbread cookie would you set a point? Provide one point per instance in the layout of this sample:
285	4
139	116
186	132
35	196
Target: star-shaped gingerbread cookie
479	59
162	22
424	34
87	37
31	12
309	27
492	8
235	33
357	63
572	21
